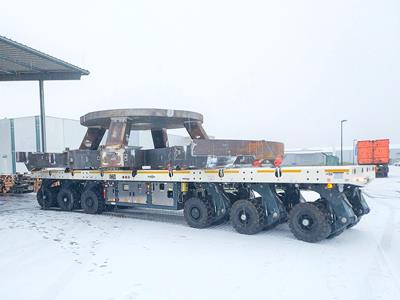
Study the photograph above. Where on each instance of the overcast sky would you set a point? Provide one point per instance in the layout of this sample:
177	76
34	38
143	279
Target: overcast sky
278	70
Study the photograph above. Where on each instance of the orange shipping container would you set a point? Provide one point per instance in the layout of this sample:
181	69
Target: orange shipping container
373	152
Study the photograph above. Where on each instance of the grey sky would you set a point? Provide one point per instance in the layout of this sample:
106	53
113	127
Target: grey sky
280	70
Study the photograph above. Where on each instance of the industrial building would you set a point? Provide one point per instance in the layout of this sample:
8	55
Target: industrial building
23	135
327	155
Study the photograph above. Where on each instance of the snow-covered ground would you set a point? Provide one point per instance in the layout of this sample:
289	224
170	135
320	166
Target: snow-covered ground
58	255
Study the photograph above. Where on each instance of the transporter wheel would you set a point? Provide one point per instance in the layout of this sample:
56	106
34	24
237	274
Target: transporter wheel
198	212
309	222
247	217
67	198
92	201
45	197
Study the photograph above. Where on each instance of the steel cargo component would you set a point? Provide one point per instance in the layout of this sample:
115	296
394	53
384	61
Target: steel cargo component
142	118
201	153
260	150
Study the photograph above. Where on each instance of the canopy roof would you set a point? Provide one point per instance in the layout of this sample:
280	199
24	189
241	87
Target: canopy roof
20	62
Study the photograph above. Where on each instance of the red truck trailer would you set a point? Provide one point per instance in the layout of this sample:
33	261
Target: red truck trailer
374	152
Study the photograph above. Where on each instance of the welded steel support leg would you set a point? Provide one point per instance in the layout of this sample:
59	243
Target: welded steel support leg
160	138
92	139
339	206
357	201
196	130
221	202
275	210
42	116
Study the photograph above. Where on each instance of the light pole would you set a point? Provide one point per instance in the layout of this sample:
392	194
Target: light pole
341	141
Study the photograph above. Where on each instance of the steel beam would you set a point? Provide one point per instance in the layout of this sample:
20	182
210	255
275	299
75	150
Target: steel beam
196	130
40	76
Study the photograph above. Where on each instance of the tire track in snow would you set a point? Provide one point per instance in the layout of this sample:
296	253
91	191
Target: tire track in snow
381	270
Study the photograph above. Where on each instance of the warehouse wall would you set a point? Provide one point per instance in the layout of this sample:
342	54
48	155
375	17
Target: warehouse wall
25	134
73	133
5	147
144	139
63	133
395	153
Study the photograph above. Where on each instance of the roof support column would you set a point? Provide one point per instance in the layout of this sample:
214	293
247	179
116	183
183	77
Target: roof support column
42	116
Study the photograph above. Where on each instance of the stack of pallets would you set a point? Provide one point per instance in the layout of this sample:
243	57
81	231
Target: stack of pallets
6	183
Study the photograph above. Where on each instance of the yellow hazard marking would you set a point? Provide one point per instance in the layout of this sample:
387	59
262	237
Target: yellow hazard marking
231	171
337	170
181	172
211	171
291	171
265	171
152	172
117	172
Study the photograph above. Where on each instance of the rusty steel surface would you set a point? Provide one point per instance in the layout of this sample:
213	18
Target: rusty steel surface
142	118
261	150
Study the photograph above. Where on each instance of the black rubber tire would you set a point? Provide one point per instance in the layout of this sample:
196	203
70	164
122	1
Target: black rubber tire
67	199
198	213
246	218
92	201
45	197
319	227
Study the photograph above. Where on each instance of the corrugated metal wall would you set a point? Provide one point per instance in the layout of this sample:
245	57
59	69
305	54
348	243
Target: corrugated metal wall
5	147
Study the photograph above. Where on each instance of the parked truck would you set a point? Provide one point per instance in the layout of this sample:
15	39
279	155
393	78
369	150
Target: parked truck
211	180
374	152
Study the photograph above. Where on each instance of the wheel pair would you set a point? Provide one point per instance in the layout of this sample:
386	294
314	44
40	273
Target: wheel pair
92	201
198	213
248	216
68	197
309	222
46	197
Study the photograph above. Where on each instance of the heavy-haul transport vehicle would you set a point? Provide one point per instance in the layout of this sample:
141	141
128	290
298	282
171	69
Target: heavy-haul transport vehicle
374	152
211	180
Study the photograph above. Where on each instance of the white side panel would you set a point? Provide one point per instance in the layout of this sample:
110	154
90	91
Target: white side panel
145	139
73	133
54	134
5	147
63	133
25	134
133	138
355	175
178	140
25	138
347	156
